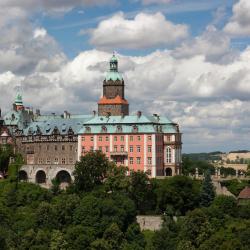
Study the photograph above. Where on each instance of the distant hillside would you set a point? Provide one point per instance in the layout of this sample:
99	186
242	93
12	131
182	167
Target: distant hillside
240	151
212	156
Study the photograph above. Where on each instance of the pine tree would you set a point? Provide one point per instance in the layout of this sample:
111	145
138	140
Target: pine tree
207	191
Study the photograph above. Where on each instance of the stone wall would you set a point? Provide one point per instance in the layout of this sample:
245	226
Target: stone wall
149	222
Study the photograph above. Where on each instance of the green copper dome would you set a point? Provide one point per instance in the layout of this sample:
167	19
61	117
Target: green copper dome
113	73
19	99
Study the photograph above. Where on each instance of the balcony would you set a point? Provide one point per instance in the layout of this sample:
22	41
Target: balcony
118	153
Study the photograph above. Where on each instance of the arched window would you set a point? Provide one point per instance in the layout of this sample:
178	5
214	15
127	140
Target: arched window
168	155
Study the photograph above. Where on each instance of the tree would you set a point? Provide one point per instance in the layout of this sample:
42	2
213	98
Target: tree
90	171
226	204
114	237
177	195
207	191
57	241
141	192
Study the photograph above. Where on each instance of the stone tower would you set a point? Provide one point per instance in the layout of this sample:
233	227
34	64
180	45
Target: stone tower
113	101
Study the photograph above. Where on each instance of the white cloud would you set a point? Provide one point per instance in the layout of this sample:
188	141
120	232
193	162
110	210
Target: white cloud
210	101
212	43
144	31
40	32
239	24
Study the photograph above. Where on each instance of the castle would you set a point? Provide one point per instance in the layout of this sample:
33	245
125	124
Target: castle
51	144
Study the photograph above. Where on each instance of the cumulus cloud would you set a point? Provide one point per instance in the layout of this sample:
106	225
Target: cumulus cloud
239	24
145	30
214	44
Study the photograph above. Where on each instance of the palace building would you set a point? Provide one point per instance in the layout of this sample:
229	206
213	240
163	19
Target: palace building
51	144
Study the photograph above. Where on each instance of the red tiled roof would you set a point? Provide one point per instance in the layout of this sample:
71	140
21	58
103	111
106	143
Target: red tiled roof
245	193
116	100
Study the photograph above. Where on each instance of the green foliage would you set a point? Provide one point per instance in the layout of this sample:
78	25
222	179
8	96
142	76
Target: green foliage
5	155
141	192
177	195
207	191
189	164
226	204
90	171
235	186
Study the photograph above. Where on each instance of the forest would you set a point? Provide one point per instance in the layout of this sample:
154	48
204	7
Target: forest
98	211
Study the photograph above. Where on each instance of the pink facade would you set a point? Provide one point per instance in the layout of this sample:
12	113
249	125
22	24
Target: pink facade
155	153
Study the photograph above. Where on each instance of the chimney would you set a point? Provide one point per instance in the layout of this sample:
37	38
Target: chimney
139	114
94	113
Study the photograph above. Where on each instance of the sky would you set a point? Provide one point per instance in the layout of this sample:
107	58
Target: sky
188	60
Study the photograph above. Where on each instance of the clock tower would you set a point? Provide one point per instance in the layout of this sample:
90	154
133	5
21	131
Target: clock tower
113	101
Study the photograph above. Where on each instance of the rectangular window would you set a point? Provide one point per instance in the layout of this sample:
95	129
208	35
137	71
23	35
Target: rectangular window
63	147
48	160
122	160
149	160
71	147
138	138
100	138
131	149
122	138
131	160
83	138
56	161
63	161
107	148
92	138
107	138
100	148
47	147
149	138
138	160
115	138
55	147
131	138
40	160
122	148
149	149
168	155
115	148
138	149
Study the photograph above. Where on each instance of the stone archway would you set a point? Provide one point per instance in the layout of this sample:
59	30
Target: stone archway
64	178
22	176
40	177
168	172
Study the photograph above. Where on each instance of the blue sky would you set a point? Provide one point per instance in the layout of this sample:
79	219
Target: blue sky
188	60
197	14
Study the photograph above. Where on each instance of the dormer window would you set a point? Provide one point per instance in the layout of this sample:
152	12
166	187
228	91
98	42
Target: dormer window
87	129
56	131
135	129
70	131
119	129
104	129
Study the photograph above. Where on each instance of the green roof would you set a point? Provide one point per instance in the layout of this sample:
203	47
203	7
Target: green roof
113	75
113	59
19	99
